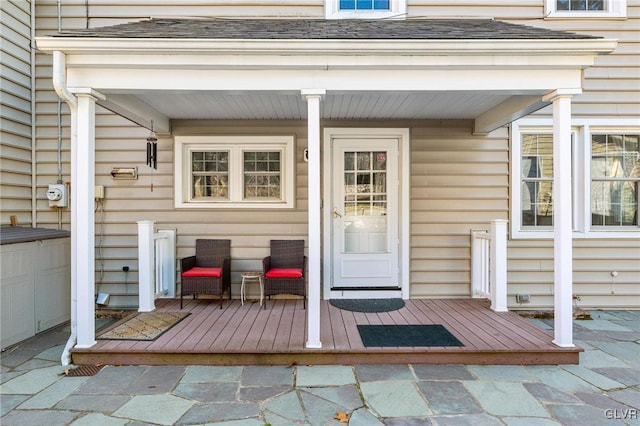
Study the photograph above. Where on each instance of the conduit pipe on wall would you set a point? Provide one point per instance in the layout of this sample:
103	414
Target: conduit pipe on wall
60	86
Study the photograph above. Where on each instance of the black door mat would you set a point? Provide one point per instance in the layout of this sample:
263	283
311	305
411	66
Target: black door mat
407	336
368	305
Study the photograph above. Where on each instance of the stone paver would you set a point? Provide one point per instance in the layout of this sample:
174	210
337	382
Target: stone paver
449	397
604	389
395	399
492	397
325	375
159	409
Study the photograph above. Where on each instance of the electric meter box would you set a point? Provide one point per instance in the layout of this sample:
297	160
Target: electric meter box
57	195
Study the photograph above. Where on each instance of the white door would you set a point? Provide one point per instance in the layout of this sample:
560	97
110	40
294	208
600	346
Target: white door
365	213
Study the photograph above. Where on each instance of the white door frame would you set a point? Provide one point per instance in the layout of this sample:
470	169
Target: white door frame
404	173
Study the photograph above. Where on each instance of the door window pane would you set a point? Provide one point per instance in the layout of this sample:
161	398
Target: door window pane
365	202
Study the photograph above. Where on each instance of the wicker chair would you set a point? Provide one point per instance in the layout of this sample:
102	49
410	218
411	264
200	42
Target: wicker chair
285	269
209	271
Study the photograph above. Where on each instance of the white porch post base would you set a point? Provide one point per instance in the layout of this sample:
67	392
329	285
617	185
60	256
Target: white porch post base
313	97
562	218
83	217
146	284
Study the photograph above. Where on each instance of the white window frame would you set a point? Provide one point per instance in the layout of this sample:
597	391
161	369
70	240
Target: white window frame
236	145
613	9
582	129
397	10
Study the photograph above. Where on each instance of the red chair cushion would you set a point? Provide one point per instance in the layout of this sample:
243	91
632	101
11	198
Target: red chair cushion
203	272
284	273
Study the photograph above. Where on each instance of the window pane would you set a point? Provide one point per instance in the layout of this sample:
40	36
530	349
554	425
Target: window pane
536	193
581	5
262	175
615	174
209	170
380	161
578	5
347	4
364	4
349	160
381	4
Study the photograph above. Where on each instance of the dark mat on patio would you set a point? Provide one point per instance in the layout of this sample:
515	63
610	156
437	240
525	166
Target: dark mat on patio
407	335
368	305
143	326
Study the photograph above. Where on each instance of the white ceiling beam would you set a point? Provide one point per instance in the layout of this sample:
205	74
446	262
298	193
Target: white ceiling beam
512	109
131	108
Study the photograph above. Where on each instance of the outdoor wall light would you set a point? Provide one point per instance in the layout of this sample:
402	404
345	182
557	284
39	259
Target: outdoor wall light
124	173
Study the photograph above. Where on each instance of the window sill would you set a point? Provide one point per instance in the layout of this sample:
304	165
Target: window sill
605	234
263	205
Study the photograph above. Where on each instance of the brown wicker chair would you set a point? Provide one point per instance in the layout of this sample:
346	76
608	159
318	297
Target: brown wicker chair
209	271
285	269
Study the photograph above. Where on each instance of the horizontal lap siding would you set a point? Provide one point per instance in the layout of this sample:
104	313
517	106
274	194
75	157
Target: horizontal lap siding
530	272
15	112
458	183
611	89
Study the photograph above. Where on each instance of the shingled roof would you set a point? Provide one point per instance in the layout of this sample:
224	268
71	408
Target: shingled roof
256	29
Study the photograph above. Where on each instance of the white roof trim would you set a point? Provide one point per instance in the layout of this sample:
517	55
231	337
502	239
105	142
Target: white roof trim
71	45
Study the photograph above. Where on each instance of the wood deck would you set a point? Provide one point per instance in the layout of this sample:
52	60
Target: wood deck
250	335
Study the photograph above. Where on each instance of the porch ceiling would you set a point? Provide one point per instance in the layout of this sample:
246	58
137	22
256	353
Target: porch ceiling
345	106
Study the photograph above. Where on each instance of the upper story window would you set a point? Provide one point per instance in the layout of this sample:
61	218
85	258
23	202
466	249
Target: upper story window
234	172
365	9
586	8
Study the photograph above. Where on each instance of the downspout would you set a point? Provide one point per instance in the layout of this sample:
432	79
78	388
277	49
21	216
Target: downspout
59	181
60	86
33	116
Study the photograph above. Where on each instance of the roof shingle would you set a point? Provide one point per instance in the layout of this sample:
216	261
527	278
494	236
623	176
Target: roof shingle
269	29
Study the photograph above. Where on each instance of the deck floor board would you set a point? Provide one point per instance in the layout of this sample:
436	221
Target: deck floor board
278	335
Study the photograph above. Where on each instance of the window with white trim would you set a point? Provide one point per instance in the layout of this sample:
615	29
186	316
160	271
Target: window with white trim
365	9
615	177
605	174
234	172
586	8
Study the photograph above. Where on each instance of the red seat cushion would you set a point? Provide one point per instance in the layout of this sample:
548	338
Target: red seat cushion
203	272
284	273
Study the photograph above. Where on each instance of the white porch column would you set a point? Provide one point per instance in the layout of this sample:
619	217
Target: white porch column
499	265
146	282
82	215
313	97
562	217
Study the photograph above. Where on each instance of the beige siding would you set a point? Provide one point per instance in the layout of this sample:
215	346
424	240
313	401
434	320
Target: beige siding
531	272
15	112
458	182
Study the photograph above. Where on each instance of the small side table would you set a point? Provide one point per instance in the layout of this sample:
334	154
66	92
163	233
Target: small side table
251	276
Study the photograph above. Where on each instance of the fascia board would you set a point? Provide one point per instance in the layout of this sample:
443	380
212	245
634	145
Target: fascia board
360	62
74	45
